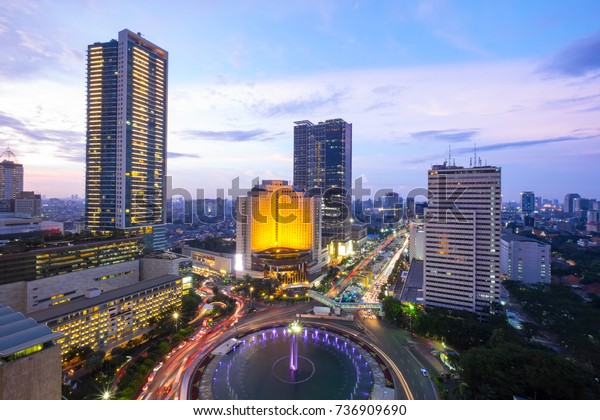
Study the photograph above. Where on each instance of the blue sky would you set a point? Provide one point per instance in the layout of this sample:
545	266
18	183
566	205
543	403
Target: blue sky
519	78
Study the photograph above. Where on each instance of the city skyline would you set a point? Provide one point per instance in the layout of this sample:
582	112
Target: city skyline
413	80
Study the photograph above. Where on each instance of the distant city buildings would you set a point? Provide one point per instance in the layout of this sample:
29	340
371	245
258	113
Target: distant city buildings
27	203
323	166
524	259
593	218
126	137
568	202
279	232
527	202
462	238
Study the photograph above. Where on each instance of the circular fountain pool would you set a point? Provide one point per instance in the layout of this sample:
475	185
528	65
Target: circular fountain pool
328	366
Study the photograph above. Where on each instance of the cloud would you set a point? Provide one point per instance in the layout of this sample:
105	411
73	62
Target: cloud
231	136
577	59
70	143
388	90
380	105
449	136
574	100
523	143
498	146
301	106
176	155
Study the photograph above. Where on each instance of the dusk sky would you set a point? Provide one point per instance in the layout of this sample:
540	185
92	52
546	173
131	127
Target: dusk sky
519	78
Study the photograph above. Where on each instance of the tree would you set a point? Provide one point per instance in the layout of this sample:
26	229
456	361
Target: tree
189	305
94	362
592	274
498	337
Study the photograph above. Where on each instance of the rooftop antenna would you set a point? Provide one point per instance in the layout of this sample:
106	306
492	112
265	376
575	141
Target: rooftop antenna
8	155
449	154
475	154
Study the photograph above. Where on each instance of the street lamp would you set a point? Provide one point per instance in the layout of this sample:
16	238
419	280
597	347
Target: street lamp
176	318
410	311
251	290
107	394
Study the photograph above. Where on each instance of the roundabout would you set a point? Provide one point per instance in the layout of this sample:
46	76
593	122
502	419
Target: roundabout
293	362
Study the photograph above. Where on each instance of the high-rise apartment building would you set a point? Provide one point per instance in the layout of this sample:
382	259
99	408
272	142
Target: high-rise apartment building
126	137
462	238
11	176
323	166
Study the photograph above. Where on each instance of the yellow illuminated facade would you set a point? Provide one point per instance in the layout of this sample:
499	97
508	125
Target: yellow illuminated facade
281	218
279	231
126	135
114	317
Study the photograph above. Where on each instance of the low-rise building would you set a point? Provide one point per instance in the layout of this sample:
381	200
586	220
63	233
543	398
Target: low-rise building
416	241
106	320
44	277
30	366
205	262
524	259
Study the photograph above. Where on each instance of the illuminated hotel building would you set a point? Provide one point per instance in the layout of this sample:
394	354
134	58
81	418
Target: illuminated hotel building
323	166
106	320
462	238
279	232
126	137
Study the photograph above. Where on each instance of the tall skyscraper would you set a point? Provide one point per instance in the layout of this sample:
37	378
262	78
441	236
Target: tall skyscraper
11	175
462	237
527	202
127	137
323	165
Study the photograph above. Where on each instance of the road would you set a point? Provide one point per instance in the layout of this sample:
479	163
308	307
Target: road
372	294
172	380
335	290
281	316
165	384
394	342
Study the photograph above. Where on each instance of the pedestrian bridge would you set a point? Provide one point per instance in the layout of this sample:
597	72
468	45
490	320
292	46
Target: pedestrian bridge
344	305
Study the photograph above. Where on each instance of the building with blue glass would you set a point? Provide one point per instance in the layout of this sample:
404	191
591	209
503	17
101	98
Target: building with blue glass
126	137
323	165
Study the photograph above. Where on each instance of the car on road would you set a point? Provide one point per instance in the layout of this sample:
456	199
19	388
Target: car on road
424	372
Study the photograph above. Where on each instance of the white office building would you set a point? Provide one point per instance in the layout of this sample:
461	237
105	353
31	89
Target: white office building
462	238
524	259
